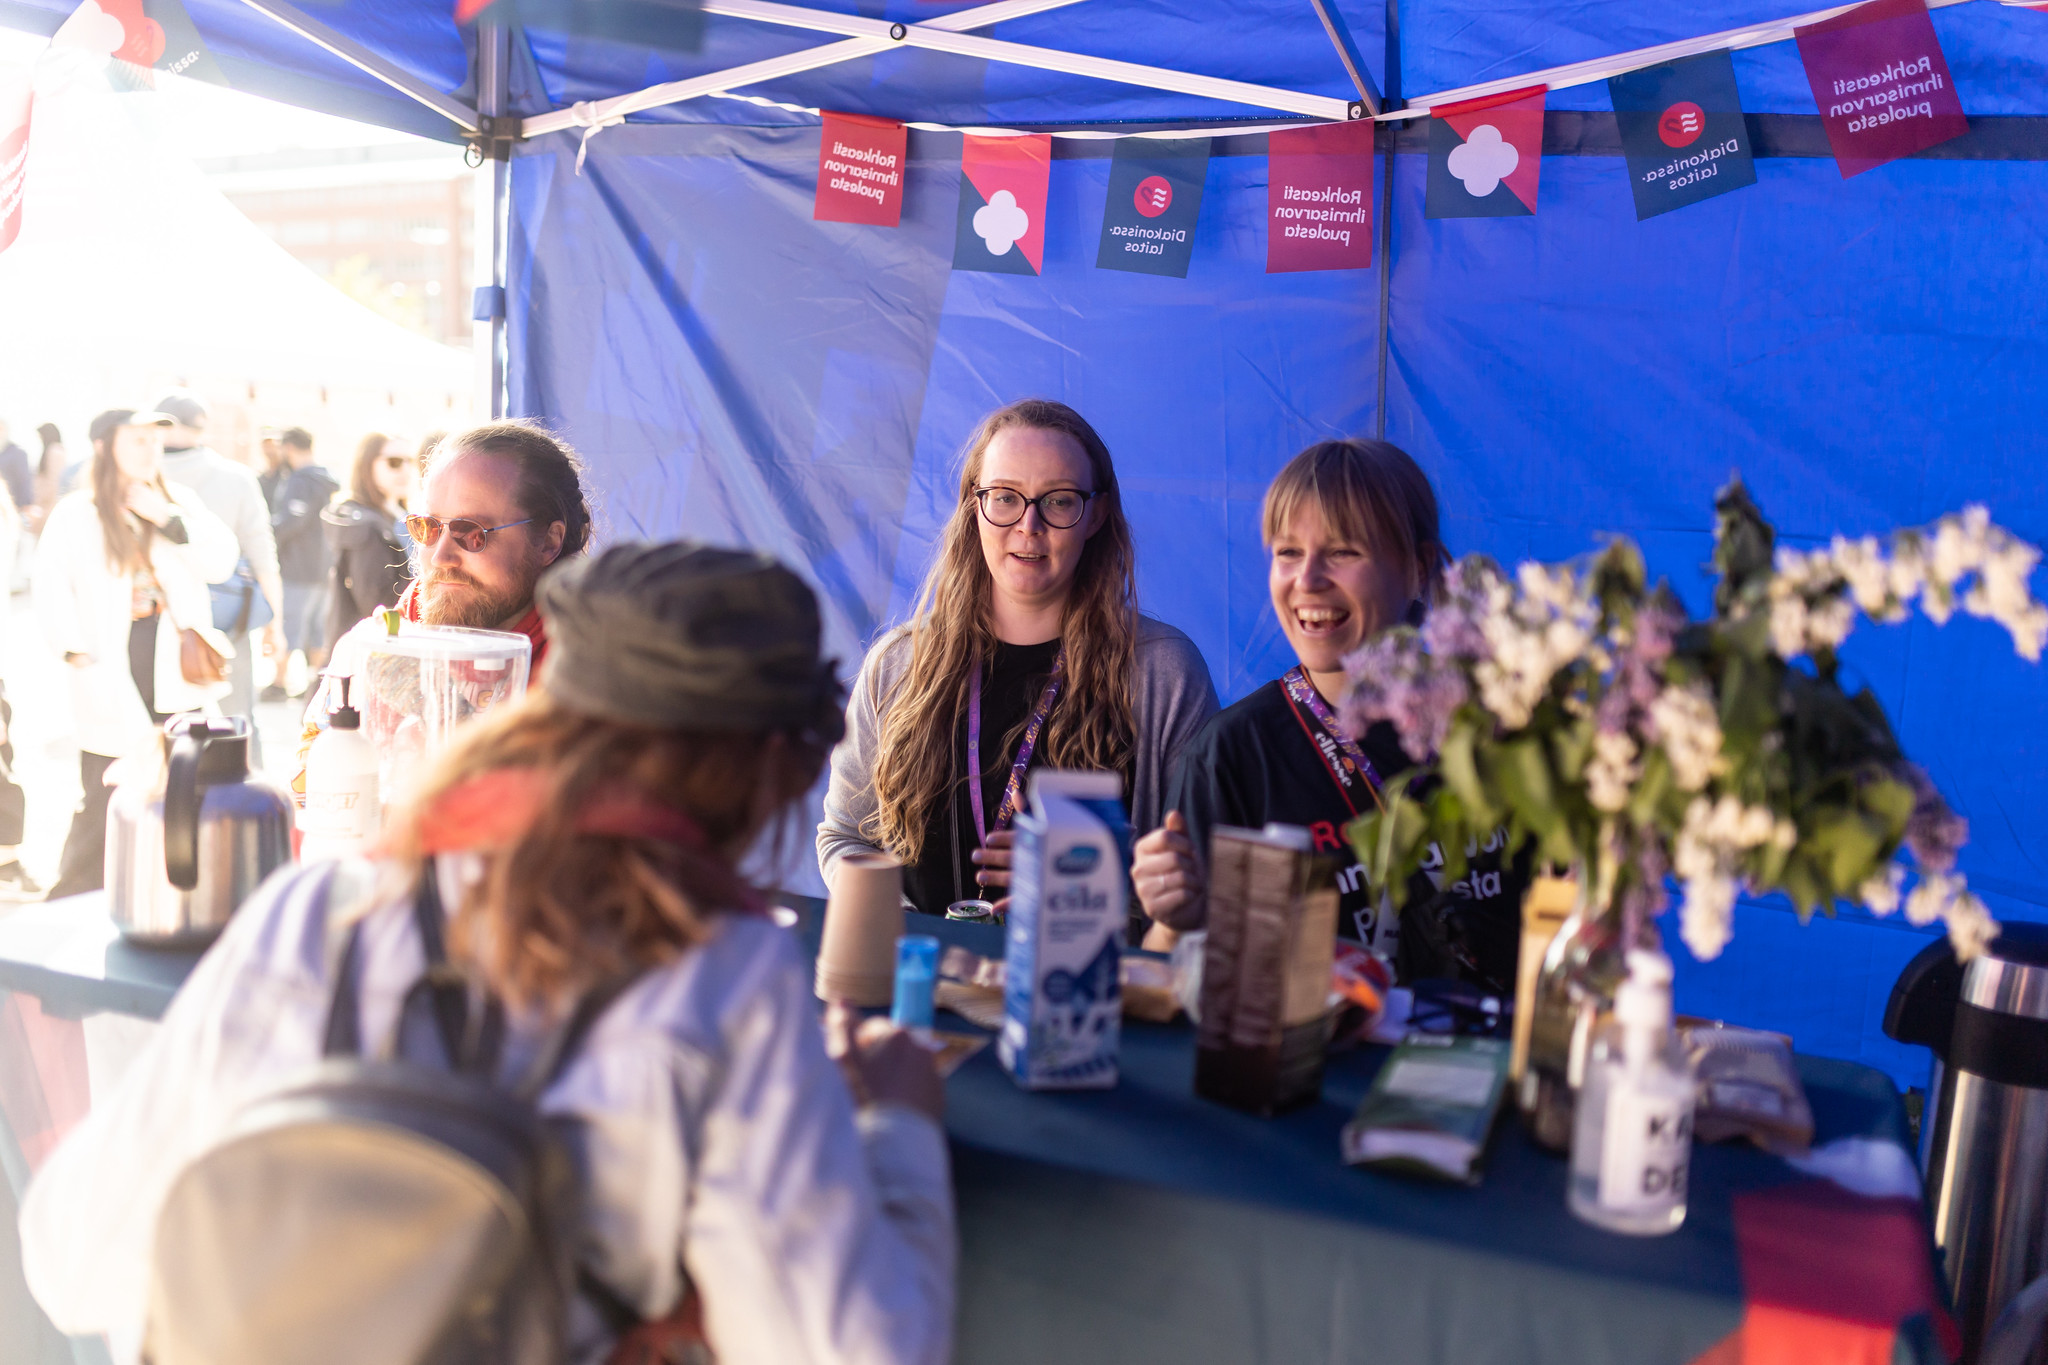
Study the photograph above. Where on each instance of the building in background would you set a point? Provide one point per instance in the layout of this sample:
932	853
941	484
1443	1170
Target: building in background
389	225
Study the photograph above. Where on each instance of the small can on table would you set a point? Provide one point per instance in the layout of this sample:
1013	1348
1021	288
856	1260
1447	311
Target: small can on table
973	912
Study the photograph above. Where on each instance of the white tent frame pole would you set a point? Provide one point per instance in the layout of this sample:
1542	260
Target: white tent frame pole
866	37
601	112
360	57
1600	68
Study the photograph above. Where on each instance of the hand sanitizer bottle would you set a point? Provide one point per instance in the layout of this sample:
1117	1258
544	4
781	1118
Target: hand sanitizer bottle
1632	1134
342	816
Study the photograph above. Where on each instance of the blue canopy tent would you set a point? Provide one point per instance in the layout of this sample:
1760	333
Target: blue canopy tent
1864	351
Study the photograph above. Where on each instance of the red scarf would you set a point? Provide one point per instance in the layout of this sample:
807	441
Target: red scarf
494	810
529	625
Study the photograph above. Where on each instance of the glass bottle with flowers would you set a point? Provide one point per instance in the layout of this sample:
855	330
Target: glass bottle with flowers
1583	709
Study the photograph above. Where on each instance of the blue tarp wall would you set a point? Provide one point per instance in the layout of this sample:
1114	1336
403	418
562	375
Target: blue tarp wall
1867	353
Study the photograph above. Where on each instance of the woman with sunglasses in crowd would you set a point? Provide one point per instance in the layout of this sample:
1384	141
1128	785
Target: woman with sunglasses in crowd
366	533
1027	650
1352	531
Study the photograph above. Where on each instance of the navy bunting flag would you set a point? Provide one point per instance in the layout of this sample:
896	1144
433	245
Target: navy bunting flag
1155	198
1682	132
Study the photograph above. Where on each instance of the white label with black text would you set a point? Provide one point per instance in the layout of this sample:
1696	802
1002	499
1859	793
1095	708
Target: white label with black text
1649	1143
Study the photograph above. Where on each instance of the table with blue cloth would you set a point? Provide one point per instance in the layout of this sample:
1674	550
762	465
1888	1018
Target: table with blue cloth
1144	1224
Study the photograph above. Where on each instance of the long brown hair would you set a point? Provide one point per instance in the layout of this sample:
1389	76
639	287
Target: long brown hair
562	909
362	475
127	536
1092	724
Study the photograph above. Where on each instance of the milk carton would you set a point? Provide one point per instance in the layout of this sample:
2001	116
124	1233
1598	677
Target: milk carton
1061	1002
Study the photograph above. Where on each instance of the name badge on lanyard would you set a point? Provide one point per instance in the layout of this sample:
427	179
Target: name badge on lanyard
1013	790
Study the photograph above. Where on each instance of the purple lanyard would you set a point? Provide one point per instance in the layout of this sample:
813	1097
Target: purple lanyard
1340	753
1014	789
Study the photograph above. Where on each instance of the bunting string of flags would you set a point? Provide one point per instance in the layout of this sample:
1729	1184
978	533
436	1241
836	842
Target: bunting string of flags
1876	69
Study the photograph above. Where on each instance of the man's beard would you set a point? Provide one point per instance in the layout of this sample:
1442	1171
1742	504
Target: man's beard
478	608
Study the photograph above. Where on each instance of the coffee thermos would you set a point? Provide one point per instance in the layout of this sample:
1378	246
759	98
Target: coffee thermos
1984	1134
188	842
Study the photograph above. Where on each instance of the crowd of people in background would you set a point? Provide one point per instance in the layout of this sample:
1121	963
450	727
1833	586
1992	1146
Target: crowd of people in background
150	534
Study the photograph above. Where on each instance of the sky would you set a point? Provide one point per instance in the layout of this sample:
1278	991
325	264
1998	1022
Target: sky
210	120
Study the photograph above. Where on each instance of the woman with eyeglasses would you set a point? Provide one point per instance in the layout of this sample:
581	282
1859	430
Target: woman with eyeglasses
1026	650
366	533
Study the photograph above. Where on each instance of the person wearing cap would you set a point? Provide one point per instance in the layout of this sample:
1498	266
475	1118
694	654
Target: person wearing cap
230	490
592	830
120	571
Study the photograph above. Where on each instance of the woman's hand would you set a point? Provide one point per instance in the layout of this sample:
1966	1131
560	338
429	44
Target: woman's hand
883	1064
1165	873
994	858
149	504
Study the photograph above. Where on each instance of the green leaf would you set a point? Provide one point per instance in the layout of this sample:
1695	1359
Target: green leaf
1460	768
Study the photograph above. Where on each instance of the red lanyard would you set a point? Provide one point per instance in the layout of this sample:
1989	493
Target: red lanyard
1342	758
1013	790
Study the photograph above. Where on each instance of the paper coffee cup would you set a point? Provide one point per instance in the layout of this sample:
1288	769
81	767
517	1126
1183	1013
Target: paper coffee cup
863	919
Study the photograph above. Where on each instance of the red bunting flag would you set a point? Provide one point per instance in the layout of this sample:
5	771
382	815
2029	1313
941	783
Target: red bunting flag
17	99
1882	83
1485	156
1319	197
860	170
1003	183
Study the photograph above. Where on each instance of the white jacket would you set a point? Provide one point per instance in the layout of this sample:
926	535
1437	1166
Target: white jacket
715	1133
83	604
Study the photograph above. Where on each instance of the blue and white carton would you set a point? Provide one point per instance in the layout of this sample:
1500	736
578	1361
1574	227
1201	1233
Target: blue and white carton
1063	1009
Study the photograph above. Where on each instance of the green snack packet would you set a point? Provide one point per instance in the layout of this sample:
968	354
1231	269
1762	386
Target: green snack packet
1431	1108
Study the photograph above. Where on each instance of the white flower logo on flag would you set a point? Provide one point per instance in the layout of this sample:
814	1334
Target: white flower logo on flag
91	29
1483	160
1000	222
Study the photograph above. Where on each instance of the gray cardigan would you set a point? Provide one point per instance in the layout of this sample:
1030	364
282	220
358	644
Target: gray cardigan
1174	697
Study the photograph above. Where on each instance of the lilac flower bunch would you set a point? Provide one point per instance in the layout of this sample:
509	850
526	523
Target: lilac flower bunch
1583	708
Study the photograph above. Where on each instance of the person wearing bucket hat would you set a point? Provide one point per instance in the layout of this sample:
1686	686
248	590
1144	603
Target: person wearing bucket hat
689	636
733	1181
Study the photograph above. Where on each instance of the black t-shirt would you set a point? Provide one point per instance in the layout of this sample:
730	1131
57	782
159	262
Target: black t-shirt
944	871
1257	763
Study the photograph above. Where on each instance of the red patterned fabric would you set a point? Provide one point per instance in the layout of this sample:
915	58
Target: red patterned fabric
1827	1278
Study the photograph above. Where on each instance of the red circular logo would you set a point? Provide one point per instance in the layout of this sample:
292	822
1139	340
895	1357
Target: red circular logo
1154	196
1681	124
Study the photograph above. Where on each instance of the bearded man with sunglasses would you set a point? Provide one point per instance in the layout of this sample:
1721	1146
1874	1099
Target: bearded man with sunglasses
502	502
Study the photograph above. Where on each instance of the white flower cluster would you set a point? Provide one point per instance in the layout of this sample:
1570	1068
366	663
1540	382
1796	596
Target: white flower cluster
1937	896
1612	771
1707	857
1531	635
1688	727
1966	561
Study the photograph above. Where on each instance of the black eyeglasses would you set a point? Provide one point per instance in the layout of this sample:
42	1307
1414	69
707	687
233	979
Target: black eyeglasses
1060	509
468	535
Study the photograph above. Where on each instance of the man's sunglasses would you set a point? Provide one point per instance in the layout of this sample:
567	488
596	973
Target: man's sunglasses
468	535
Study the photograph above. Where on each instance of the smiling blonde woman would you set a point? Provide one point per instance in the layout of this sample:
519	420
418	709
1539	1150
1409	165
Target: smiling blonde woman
1351	528
1027	650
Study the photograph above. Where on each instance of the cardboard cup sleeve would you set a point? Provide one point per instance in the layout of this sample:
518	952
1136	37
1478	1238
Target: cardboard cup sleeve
863	920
